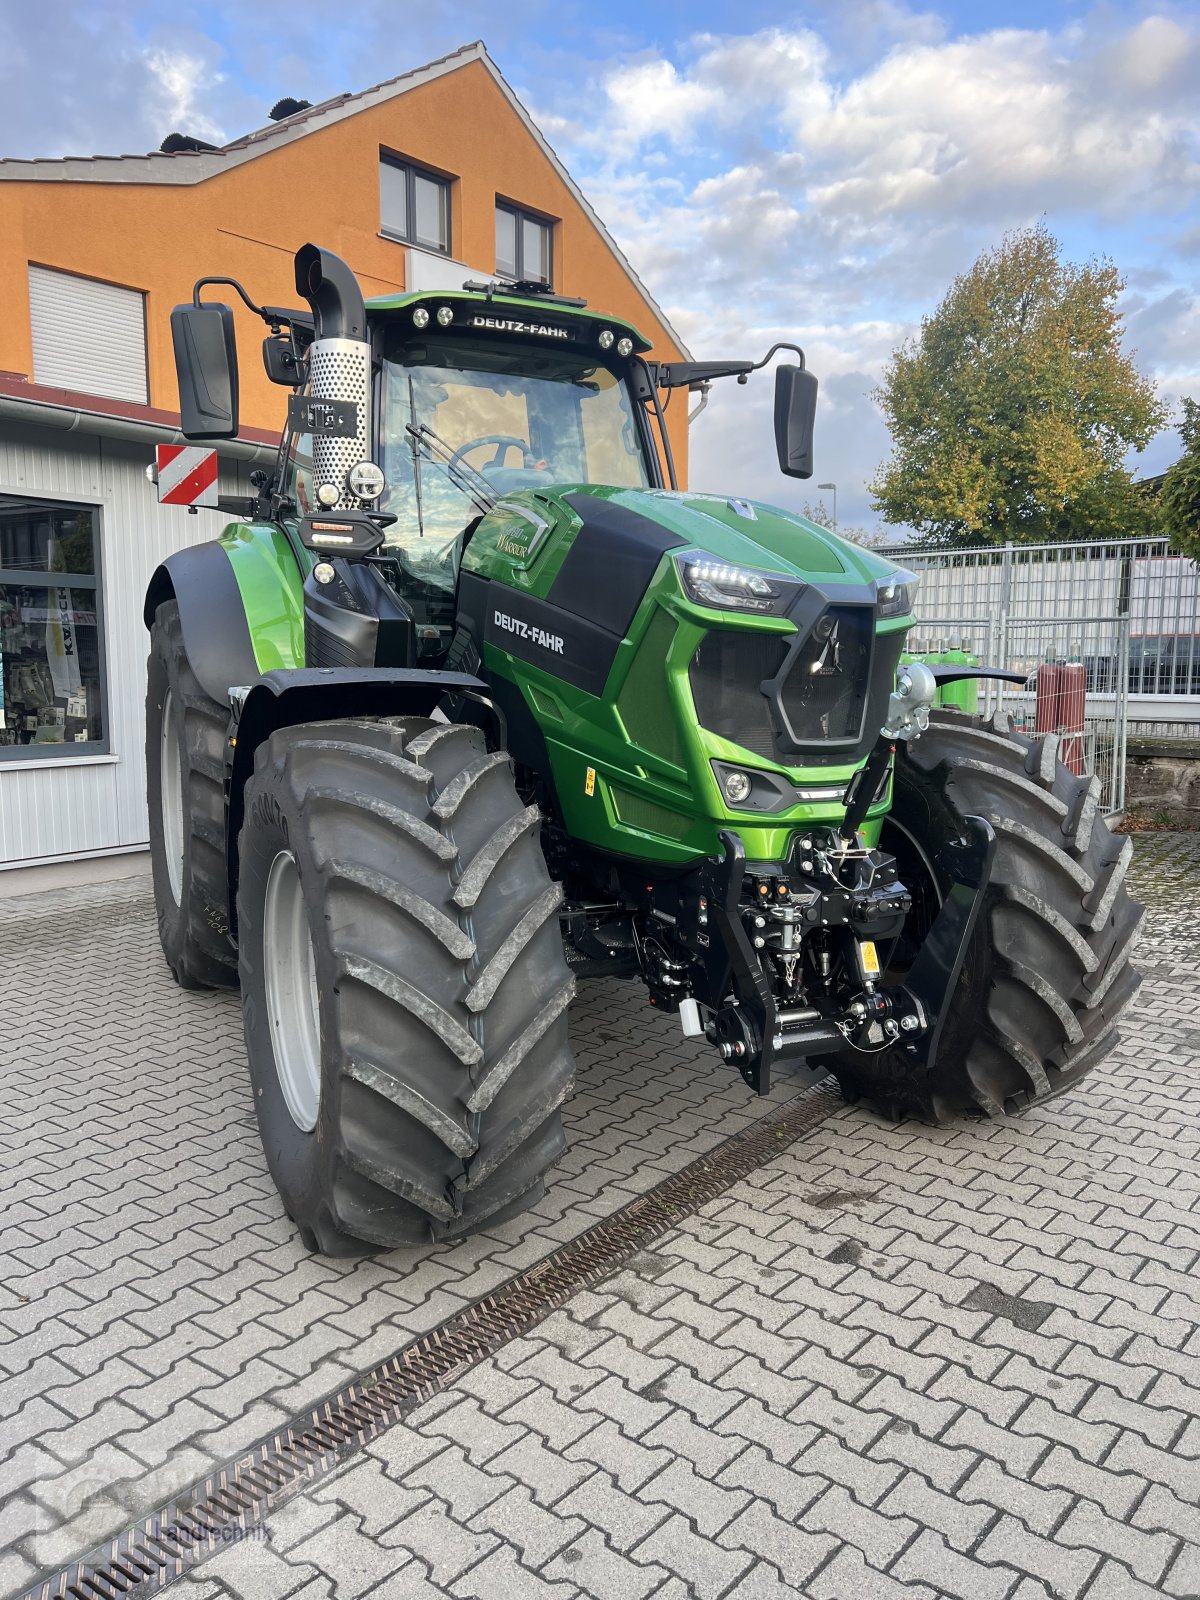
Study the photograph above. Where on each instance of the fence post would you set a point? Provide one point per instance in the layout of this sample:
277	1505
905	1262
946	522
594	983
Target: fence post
1006	576
1121	713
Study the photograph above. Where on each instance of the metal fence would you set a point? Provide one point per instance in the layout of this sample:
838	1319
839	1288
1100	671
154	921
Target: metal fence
1128	612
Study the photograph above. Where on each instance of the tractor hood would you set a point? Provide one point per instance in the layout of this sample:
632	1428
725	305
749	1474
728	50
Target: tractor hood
751	533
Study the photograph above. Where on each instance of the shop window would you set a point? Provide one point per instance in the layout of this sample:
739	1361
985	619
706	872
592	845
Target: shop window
414	205
524	245
51	677
88	336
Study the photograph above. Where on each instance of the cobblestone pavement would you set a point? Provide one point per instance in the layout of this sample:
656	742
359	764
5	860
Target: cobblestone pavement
893	1362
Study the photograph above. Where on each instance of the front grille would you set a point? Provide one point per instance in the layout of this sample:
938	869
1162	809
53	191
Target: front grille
825	692
821	690
726	675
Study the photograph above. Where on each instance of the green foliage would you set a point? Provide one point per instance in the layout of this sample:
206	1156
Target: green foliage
1180	498
1013	410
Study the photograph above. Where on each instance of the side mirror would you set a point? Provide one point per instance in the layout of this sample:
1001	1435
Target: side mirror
206	366
795	413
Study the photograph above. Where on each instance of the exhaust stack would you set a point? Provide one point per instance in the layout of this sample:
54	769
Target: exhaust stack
339	363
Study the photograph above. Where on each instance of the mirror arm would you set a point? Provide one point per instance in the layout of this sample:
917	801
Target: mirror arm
276	317
695	374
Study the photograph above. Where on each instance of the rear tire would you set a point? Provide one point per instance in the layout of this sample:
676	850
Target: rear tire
185	791
1047	972
439	983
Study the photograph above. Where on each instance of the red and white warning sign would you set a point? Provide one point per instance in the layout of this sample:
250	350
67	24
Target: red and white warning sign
187	475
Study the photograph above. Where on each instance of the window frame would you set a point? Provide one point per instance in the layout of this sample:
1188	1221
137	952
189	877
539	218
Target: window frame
87	749
413	170
521	214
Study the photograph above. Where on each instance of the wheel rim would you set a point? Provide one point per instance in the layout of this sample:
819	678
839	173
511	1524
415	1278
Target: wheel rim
170	768
290	970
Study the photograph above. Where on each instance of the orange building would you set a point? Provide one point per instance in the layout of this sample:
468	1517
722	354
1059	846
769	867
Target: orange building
430	178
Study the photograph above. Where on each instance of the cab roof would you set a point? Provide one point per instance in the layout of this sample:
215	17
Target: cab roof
533	313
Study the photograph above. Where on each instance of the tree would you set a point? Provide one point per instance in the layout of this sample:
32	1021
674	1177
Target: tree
1180	497
1012	412
823	519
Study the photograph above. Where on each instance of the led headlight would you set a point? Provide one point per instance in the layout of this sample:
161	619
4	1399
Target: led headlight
366	481
624	347
445	316
720	586
421	317
605	341
328	494
896	594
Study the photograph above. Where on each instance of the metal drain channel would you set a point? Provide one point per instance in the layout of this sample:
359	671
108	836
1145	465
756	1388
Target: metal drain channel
232	1500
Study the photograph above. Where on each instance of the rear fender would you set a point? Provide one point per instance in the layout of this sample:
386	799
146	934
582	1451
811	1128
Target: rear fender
283	699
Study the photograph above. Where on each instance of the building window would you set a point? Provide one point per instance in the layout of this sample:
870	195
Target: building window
88	336
524	245
414	205
51	678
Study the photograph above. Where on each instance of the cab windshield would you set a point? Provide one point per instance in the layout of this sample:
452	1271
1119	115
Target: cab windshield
462	423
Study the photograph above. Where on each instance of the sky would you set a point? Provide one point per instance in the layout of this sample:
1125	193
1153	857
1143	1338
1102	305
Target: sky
817	174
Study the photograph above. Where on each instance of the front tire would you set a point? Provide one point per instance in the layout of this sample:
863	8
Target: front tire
397	926
185	777
1047	972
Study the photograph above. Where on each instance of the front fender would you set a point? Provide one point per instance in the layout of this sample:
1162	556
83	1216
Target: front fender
241	605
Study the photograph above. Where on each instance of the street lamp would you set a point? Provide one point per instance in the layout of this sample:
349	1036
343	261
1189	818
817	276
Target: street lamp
832	486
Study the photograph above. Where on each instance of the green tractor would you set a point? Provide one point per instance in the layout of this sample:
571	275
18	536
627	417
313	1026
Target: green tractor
470	700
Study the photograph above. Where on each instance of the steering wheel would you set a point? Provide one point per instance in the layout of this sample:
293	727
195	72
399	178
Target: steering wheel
503	442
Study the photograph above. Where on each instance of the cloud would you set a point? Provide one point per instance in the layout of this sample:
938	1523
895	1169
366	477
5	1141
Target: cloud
187	82
830	198
821	181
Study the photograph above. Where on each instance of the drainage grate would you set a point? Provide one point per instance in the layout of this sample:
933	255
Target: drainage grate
235	1498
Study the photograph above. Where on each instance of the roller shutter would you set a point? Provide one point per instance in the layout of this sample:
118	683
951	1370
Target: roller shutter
88	336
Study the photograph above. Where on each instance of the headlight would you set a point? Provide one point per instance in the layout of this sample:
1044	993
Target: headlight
720	586
896	594
737	787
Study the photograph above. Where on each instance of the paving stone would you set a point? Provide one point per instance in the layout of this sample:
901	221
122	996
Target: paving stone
548	1474
500	1576
958	1521
879	1536
630	1463
849	1575
536	1534
1040	1509
795	1551
253	1570
1113	1582
1065	1570
622	1519
1157	1423
708	1451
706	1570
372	1495
597	1569
445	1547
708	1506
869	1480
930	1560
704	1401
1147	1554
1184	1577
